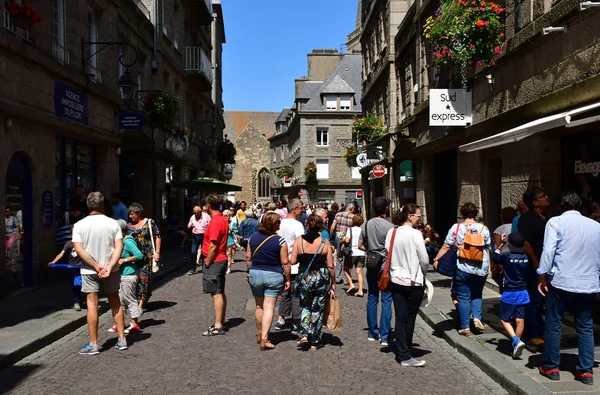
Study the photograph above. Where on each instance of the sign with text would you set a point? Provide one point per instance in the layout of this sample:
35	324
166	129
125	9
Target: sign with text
131	120
47	209
450	107
69	103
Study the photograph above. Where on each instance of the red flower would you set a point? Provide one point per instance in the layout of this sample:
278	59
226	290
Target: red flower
497	50
501	34
14	8
472	46
492	63
479	23
482	9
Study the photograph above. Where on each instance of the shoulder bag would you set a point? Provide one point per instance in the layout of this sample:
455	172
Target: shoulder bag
300	278
385	279
347	251
373	259
447	263
261	244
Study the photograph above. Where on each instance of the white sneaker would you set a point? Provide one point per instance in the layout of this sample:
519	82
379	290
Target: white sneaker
518	350
228	271
414	363
478	324
112	330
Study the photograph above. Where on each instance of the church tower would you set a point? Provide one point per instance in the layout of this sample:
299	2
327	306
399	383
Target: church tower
353	39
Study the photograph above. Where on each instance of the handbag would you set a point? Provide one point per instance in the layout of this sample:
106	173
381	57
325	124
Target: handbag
373	259
447	263
155	264
299	279
385	278
347	251
332	314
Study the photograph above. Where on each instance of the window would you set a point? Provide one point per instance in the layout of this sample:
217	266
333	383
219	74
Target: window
322	169
322	137
346	102
274	155
58	31
331	103
281	153
264	191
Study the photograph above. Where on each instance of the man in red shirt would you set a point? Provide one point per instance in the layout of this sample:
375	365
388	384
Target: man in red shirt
214	250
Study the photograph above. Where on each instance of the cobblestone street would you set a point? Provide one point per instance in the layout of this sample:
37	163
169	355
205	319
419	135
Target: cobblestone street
171	356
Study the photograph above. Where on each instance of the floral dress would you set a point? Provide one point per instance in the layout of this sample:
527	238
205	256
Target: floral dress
142	237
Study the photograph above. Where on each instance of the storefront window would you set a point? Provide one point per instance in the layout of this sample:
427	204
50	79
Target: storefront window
75	164
582	169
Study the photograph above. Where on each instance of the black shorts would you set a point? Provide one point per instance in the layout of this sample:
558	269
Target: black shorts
213	278
354	261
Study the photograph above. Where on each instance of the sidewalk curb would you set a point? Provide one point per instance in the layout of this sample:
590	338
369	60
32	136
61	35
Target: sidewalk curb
70	326
490	362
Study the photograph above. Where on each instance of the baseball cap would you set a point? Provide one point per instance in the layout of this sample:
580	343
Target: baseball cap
516	242
380	204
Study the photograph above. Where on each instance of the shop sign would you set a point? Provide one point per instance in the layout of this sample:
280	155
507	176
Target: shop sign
450	107
592	168
70	104
287	182
131	121
47	209
362	160
359	194
406	170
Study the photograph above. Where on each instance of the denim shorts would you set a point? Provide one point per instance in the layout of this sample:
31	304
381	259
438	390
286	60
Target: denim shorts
507	311
265	284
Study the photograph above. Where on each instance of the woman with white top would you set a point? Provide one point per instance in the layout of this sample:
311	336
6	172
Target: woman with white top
408	266
357	259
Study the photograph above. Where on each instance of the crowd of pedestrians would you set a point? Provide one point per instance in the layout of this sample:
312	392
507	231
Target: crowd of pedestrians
297	253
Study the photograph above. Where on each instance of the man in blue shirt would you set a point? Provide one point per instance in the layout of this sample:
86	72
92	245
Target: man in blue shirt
119	209
569	277
248	227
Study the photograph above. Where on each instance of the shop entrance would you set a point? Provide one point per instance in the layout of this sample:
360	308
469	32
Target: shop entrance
17	269
446	196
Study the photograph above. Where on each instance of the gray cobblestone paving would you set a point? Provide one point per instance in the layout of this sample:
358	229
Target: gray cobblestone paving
171	356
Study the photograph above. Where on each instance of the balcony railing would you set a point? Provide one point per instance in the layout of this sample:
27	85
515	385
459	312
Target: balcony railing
61	54
142	8
9	25
196	61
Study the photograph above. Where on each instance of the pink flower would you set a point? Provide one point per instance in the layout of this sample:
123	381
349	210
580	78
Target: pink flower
479	64
497	50
492	64
443	37
482	9
501	34
472	46
453	38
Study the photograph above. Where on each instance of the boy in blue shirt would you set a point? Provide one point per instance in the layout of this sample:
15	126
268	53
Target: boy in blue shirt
514	298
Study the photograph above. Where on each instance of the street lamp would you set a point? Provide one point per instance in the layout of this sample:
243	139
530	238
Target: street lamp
127	89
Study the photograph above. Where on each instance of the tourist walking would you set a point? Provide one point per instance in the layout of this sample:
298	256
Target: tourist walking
471	270
290	229
516	267
248	227
69	255
316	281
198	223
521	208
12	230
119	210
269	274
128	268
240	214
231	238
569	276
145	232
214	250
372	240
356	259
533	226
409	263
507	215
340	225
98	241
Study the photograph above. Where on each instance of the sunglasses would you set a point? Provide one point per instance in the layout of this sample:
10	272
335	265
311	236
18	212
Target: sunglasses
542	196
416	215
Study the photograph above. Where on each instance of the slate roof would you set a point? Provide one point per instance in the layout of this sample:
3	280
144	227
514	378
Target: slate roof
283	115
309	89
237	121
346	75
338	85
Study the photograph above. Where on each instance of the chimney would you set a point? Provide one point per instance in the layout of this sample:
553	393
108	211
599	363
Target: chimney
321	62
299	84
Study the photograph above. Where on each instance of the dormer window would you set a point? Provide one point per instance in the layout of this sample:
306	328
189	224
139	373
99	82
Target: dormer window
345	102
331	103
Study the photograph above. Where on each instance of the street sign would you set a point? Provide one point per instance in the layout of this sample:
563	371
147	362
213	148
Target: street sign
300	193
130	121
378	171
362	160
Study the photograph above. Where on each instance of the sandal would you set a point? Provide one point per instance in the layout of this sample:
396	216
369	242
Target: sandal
302	343
266	345
359	295
212	331
350	290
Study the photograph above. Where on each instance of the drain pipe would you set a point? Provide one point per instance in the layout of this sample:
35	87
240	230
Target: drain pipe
155	36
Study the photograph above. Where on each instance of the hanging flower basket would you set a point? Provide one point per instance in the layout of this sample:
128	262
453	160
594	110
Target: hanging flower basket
226	152
161	109
310	171
286	171
466	33
23	15
368	129
351	154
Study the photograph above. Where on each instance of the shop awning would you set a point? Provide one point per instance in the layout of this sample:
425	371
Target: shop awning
529	129
207	184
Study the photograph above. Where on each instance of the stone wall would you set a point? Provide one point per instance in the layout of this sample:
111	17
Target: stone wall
252	156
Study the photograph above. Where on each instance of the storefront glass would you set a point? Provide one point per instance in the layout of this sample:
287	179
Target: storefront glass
75	164
581	164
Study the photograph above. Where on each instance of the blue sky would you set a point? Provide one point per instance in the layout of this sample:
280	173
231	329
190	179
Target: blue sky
267	43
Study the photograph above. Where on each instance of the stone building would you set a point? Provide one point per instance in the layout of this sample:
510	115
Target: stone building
249	132
317	129
535	115
60	112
